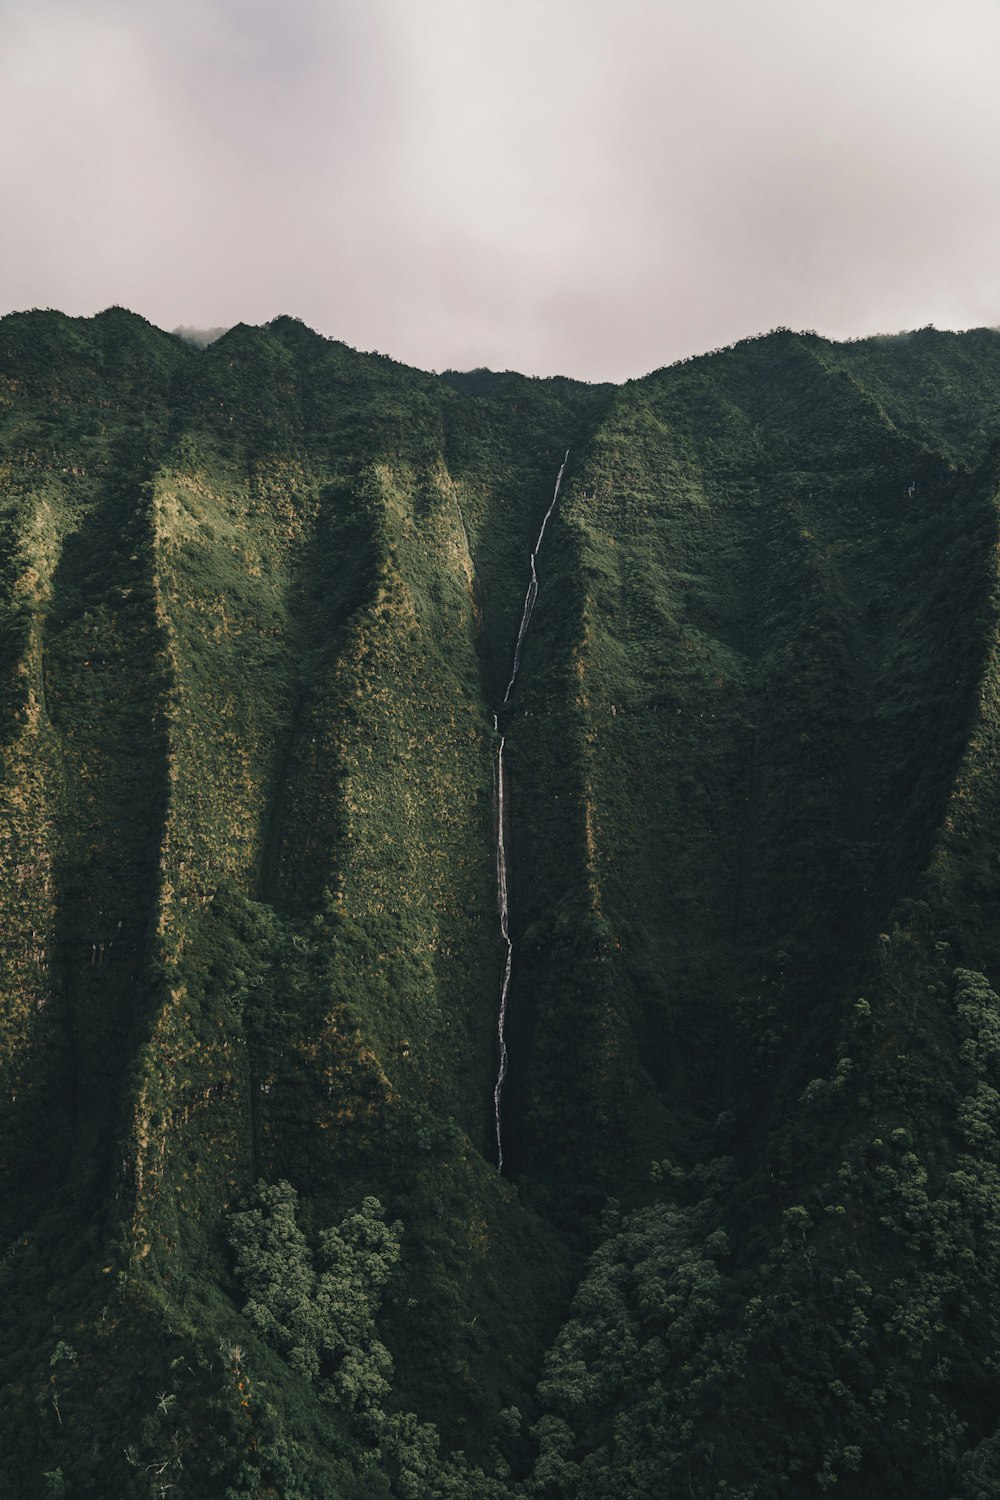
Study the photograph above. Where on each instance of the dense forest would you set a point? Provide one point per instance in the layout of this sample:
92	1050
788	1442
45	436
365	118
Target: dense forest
258	610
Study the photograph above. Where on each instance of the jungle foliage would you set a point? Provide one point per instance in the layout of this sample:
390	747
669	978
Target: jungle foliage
257	607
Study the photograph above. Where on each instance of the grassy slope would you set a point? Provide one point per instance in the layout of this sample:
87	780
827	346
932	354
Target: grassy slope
262	603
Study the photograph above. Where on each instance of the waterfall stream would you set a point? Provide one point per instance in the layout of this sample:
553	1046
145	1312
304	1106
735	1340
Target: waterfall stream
501	793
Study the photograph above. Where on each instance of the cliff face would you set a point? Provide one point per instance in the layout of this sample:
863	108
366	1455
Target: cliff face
259	610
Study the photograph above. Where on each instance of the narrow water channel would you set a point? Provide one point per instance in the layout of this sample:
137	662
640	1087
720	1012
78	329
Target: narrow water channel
503	863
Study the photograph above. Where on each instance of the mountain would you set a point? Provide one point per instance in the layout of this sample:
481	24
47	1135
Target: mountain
260	608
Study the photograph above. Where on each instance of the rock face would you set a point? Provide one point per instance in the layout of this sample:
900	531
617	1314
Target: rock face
259	607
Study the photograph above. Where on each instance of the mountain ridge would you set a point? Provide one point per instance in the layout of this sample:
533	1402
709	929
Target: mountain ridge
260	601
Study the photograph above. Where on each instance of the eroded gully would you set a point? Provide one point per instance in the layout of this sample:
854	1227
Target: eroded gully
501	793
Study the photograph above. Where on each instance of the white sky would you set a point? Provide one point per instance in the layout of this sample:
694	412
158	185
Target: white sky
591	187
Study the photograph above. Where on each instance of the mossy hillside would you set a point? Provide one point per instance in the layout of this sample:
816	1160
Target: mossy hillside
648	633
84	780
943	388
235	528
782	643
82	773
240	1045
891	1087
857	743
277	637
32	1027
784	614
218	631
222	644
414	796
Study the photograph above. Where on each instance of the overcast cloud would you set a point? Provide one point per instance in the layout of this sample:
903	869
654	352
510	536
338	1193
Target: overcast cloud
592	187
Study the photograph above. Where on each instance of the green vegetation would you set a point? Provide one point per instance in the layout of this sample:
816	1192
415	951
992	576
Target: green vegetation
258	602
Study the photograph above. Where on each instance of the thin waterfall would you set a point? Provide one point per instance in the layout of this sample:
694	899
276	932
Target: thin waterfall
532	594
505	935
501	794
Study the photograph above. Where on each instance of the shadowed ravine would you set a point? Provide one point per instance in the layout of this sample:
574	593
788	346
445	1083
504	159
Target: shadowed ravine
501	819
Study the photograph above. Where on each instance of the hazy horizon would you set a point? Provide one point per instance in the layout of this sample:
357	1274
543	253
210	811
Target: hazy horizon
588	189
202	337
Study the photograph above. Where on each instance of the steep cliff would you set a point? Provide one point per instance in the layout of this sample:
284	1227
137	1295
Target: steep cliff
259	611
